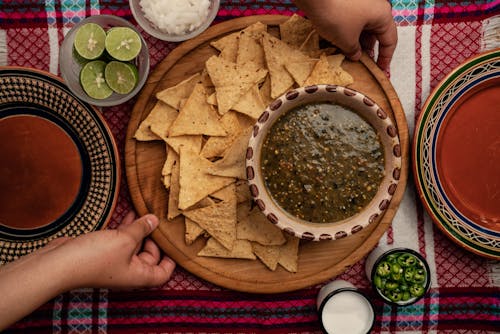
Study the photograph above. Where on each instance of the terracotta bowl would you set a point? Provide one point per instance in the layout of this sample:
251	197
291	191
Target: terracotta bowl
370	112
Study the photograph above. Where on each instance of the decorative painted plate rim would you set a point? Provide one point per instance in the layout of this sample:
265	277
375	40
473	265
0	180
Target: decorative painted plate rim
460	229
45	95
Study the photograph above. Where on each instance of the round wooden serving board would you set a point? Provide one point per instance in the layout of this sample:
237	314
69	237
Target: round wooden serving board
318	261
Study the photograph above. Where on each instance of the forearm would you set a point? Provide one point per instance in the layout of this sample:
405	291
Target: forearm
27	284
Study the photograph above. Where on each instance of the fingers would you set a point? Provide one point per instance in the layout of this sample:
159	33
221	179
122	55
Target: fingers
159	274
128	219
141	227
387	46
150	253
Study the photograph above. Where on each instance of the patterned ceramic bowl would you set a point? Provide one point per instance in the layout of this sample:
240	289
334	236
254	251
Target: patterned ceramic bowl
310	176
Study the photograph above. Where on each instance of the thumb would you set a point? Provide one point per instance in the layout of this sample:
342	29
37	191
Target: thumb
141	227
353	53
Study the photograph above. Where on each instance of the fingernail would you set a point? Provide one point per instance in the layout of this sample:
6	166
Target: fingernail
152	225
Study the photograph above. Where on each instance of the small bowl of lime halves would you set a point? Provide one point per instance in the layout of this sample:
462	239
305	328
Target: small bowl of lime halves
104	60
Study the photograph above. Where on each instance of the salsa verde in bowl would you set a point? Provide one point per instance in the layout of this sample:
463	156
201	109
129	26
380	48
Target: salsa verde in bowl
323	162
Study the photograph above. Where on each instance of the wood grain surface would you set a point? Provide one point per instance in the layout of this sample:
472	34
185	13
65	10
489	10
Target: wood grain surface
318	261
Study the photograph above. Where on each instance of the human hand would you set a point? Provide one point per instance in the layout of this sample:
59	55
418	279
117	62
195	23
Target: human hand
355	23
114	258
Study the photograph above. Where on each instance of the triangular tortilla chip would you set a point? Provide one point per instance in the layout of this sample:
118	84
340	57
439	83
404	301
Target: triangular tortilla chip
197	117
250	50
251	103
242	249
300	71
289	253
278	53
311	45
195	182
219	220
173	194
192	142
323	73
166	117
233	162
228	46
232	81
216	145
225	194
265	91
243	194
335	61
256	227
193	231
173	95
159	114
268	255
295	30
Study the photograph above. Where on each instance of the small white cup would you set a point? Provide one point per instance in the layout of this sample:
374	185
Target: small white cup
344	309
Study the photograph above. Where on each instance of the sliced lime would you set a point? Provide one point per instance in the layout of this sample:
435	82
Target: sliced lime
93	81
123	43
121	77
90	41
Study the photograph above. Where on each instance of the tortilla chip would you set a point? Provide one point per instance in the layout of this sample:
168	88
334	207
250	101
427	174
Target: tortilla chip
311	44
197	117
173	95
193	231
232	81
243	191
195	182
216	145
228	46
256	227
192	142
174	190
268	255
212	99
296	30
251	103
225	194
250	50
242	249
265	91
300	71
219	220
163	120
278	53
323	73
335	61
166	180
289	254
233	162
160	114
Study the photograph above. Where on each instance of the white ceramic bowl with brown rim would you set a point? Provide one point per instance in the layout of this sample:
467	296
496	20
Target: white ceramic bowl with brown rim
389	146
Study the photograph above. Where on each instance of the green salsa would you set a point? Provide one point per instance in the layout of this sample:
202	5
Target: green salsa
322	162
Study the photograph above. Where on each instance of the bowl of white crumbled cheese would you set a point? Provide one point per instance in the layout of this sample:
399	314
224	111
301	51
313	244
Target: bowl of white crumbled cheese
174	20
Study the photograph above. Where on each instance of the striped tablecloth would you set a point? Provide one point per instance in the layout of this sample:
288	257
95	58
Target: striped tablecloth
434	38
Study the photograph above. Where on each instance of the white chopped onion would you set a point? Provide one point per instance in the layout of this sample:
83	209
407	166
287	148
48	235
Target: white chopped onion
175	16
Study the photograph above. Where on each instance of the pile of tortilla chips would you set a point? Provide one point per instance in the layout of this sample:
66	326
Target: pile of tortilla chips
206	121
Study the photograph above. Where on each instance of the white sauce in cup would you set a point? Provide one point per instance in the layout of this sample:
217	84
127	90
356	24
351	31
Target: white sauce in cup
344	309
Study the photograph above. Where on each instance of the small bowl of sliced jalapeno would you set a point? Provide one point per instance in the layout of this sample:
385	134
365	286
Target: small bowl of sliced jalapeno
400	276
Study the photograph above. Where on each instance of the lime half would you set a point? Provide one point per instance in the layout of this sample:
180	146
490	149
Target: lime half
90	41
123	43
93	81
121	77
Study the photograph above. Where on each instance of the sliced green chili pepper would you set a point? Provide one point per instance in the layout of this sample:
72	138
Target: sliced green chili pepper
409	274
394	295
379	282
419	276
417	290
407	260
391	285
384	269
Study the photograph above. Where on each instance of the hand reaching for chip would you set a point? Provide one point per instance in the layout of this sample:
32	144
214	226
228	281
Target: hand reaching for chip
107	258
348	24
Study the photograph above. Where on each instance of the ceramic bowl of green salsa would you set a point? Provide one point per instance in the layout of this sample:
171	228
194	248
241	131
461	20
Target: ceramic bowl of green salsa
323	162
